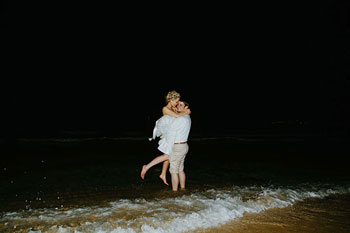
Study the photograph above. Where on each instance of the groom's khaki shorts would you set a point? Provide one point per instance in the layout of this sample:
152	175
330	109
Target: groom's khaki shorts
177	157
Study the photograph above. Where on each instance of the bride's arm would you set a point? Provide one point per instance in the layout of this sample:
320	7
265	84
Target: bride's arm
167	111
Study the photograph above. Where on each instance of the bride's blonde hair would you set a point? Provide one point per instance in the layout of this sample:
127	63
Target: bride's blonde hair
172	95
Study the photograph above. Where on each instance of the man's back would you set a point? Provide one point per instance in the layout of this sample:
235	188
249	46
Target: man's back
182	126
180	130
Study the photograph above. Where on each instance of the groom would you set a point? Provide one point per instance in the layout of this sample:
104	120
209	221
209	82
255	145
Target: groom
178	135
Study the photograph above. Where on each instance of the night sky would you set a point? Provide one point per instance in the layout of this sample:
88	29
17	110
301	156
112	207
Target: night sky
85	69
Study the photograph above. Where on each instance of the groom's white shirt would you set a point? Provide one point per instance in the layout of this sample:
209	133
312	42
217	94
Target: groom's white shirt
178	131
171	130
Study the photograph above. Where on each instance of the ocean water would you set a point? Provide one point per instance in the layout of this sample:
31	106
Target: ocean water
94	185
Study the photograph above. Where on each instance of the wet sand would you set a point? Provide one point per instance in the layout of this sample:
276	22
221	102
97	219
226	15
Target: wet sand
331	214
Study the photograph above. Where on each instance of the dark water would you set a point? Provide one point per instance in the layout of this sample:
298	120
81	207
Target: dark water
94	185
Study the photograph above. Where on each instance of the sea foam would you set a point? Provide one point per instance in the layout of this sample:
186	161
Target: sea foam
200	209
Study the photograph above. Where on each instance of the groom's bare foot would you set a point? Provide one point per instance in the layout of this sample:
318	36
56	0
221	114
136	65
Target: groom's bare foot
163	177
143	172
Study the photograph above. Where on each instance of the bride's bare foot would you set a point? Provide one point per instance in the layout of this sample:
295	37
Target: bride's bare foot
143	172
163	177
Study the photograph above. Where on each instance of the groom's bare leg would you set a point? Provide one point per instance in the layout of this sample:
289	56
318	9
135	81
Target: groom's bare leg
175	181
155	161
182	177
164	170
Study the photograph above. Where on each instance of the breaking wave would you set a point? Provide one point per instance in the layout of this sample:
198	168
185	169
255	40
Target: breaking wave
199	209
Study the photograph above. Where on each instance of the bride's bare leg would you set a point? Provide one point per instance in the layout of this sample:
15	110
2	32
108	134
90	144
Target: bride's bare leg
155	161
164	170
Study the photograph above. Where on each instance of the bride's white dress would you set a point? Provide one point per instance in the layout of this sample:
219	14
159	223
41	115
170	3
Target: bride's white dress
161	129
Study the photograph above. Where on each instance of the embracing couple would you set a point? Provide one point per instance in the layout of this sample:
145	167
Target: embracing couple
173	129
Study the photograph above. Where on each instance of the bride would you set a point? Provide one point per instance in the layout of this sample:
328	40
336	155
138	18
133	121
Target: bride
170	112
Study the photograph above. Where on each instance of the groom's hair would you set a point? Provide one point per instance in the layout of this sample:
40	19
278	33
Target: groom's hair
186	103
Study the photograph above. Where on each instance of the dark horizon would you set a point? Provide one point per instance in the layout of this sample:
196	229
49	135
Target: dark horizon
230	109
263	68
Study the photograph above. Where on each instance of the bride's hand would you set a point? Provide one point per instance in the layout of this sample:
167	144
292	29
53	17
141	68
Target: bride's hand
188	111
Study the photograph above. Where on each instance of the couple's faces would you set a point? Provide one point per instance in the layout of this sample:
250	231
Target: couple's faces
178	104
175	102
